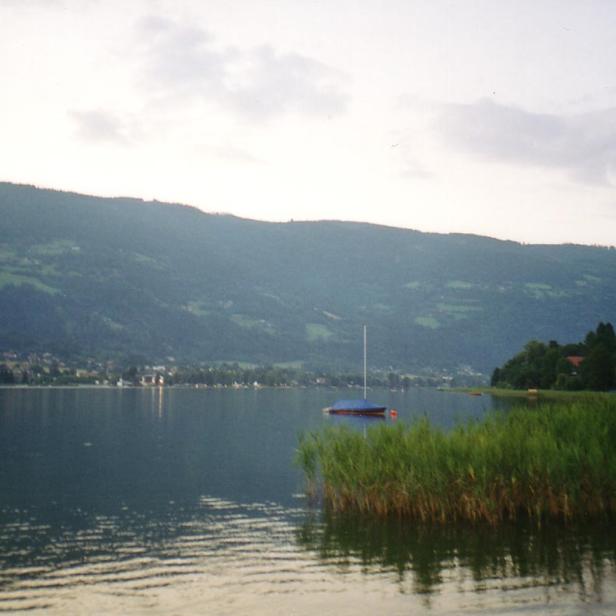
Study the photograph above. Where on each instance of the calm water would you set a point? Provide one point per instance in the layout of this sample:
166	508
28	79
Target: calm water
186	501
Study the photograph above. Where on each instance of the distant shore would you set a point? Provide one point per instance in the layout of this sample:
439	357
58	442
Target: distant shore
196	386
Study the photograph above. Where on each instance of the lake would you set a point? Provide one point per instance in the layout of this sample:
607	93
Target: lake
186	501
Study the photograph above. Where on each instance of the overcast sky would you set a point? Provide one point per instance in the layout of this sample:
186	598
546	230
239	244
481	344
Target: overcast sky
490	117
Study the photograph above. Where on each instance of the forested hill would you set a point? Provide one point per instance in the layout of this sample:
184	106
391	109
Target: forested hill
112	277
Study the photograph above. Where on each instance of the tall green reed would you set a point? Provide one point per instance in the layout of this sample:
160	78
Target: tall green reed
553	461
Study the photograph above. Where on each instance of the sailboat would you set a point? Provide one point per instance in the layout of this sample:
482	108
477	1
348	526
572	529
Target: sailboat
357	407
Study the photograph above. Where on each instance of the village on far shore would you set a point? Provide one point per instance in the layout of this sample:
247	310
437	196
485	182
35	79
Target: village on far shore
47	369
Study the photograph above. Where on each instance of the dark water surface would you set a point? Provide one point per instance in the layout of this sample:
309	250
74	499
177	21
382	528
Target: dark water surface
186	501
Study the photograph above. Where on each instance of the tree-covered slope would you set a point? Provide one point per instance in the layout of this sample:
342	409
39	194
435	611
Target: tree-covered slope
107	277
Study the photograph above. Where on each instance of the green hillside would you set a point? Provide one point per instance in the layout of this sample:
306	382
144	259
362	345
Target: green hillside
100	277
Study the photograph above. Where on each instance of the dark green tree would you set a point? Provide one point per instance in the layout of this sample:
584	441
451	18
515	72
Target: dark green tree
130	374
6	375
496	377
547	366
598	368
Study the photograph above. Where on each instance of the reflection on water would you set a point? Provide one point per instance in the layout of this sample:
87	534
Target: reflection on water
505	558
187	501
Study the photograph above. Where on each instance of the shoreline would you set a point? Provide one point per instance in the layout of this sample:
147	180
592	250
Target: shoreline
208	387
546	394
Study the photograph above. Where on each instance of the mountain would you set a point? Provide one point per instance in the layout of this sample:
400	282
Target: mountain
90	276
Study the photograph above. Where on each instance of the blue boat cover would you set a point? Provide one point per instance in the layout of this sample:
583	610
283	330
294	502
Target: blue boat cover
355	405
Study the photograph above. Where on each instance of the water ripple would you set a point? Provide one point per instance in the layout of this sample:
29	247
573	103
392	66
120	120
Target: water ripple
223	549
235	558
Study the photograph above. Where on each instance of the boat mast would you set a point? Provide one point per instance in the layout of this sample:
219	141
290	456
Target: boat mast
365	362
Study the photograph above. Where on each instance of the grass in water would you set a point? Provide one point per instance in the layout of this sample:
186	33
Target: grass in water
556	461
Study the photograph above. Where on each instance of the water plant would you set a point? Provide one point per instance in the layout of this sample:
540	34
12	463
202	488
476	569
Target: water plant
552	461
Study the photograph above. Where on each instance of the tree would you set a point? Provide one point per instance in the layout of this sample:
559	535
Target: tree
598	369
496	377
605	335
393	380
547	366
6	375
130	374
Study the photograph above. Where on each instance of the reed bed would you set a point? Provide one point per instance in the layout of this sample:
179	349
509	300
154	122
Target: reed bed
556	461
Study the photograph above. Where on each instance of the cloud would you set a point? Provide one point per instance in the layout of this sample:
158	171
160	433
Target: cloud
98	126
228	153
181	61
412	169
30	3
407	151
583	145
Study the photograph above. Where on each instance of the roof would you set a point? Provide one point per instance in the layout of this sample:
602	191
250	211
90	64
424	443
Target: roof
575	360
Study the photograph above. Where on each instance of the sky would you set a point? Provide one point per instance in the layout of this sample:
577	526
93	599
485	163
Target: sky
490	117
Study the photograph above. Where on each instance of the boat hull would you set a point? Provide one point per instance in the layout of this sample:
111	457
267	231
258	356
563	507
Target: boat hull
371	412
355	407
